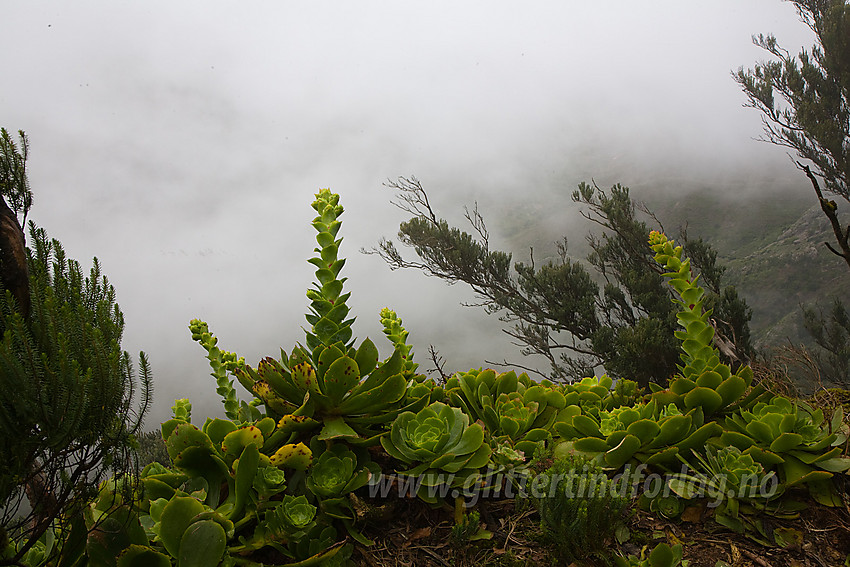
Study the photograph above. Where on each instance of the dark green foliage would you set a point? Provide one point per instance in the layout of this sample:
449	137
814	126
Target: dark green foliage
805	103
467	530
812	115
831	332
580	508
558	310
14	185
151	449
66	411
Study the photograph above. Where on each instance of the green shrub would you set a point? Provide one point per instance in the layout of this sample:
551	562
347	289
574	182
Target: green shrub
151	449
580	507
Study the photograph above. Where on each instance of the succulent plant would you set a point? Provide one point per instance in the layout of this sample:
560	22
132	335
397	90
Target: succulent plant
662	555
420	387
439	444
728	477
222	363
397	335
230	471
794	438
337	471
293	515
704	380
625	393
224	454
343	390
513	408
328	311
268	482
182	410
319	546
589	392
644	433
344	393
505	457
668	506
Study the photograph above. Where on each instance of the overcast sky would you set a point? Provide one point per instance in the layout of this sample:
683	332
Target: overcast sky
182	142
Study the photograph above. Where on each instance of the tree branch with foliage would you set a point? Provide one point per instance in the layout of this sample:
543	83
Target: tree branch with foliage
557	310
805	104
831	332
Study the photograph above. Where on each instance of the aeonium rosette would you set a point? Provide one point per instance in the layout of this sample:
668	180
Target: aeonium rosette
440	444
292	517
336	472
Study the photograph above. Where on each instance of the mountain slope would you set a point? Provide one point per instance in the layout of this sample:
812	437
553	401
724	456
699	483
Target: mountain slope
769	237
775	256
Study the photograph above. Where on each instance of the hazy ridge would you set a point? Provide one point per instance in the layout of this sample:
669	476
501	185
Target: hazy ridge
770	238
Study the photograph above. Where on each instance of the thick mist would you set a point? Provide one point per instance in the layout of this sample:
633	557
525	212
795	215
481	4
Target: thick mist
182	144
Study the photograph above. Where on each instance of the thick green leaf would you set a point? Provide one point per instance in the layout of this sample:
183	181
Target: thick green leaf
761	432
336	428
797	472
732	389
366	357
709	379
786	442
479	458
246	470
176	517
236	441
186	435
342	375
142	556
587	426
698	438
620	455
708	399
216	429
202	545
304	377
644	429
506	382
661	556
767	459
155	489
327	356
836	465
294	455
736	439
824	492
591	445
672	430
471	439
682	386
374	400
665	458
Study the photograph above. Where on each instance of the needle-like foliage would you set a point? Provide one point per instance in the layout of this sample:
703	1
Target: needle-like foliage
67	410
805	104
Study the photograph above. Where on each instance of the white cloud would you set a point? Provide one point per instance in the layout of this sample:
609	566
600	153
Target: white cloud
182	142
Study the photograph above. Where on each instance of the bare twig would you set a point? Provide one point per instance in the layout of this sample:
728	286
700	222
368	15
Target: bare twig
521	367
439	363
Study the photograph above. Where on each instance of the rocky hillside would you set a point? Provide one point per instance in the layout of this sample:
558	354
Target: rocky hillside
775	255
773	247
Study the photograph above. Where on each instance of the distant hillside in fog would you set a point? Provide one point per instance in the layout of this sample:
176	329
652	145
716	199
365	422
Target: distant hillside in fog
775	255
772	246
